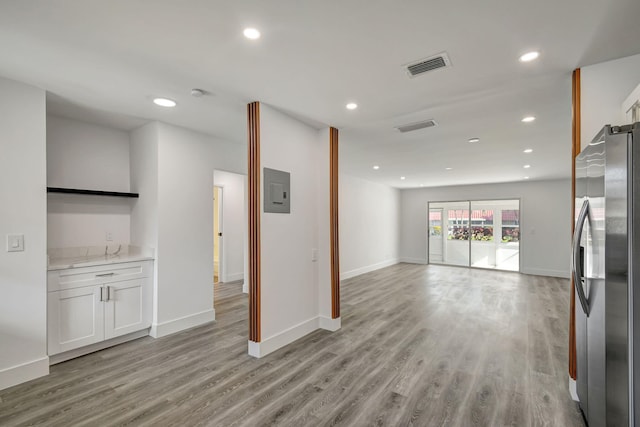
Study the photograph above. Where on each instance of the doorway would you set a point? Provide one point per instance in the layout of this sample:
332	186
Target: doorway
217	234
475	233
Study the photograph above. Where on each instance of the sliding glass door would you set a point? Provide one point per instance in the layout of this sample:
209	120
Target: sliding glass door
479	233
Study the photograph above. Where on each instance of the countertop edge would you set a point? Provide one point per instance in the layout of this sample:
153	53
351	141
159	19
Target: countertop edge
65	266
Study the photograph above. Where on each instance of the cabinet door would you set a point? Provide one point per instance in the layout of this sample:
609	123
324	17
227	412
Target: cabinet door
75	318
128	308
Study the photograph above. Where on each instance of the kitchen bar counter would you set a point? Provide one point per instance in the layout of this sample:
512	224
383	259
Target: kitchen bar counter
60	259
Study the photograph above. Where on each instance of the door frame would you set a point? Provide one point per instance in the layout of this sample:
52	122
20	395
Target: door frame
519	199
219	216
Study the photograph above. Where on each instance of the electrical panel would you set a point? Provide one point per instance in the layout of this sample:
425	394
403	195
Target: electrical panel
277	191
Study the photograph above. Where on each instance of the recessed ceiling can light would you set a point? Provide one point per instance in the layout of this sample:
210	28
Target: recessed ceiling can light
529	56
421	185
528	150
402	178
164	102
352	106
526	166
251	33
526	177
376	167
528	119
448	169
474	139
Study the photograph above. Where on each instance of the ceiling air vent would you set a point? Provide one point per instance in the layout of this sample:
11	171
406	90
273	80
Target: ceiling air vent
435	62
415	126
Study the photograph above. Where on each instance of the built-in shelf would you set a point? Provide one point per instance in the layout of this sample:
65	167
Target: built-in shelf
91	192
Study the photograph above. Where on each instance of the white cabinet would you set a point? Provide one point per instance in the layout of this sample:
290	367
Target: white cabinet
92	304
128	307
75	319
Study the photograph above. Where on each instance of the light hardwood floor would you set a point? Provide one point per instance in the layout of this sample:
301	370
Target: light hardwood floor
419	345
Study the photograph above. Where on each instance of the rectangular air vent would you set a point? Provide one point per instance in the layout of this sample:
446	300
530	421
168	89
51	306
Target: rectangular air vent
415	126
435	62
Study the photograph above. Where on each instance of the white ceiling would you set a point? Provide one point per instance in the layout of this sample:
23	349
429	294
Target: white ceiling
103	61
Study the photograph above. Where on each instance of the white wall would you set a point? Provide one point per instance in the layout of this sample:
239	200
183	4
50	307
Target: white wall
604	87
23	280
369	226
182	180
545	217
290	305
233	224
86	156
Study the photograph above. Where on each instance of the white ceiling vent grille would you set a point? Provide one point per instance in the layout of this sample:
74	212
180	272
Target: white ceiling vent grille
435	62
415	126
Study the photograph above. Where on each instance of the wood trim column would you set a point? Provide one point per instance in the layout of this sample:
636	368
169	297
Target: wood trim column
253	133
335	235
575	150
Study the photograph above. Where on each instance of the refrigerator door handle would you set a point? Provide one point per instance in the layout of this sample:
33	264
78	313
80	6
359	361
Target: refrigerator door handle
577	268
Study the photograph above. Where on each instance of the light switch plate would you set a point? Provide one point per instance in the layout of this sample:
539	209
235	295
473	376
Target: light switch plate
15	242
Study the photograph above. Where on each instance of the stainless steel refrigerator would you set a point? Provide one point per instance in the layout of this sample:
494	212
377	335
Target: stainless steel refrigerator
606	261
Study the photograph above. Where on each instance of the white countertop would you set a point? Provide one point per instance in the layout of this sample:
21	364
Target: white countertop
60	259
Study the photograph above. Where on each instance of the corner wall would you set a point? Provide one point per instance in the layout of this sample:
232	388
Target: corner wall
291	292
604	87
369	226
172	169
23	275
545	216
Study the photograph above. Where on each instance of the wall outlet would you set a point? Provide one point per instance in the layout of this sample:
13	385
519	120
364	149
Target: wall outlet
15	242
109	236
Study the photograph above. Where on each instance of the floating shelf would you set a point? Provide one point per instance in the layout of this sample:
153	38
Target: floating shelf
91	192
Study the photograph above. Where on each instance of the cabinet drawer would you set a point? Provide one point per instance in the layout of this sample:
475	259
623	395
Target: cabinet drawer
72	278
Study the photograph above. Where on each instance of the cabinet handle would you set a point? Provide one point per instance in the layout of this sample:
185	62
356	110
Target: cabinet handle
105	274
102	294
109	294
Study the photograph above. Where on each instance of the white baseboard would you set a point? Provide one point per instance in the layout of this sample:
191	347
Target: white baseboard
176	325
329	324
362	270
544	272
25	372
573	390
245	287
279	340
413	260
232	277
72	354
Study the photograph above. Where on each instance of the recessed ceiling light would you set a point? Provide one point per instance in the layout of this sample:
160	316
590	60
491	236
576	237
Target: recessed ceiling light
376	167
528	150
251	33
164	102
526	177
402	178
529	56
528	119
526	166
352	106
421	185
448	169
474	140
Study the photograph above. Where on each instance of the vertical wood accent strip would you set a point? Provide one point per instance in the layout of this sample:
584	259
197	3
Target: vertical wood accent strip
575	150
253	134
335	236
